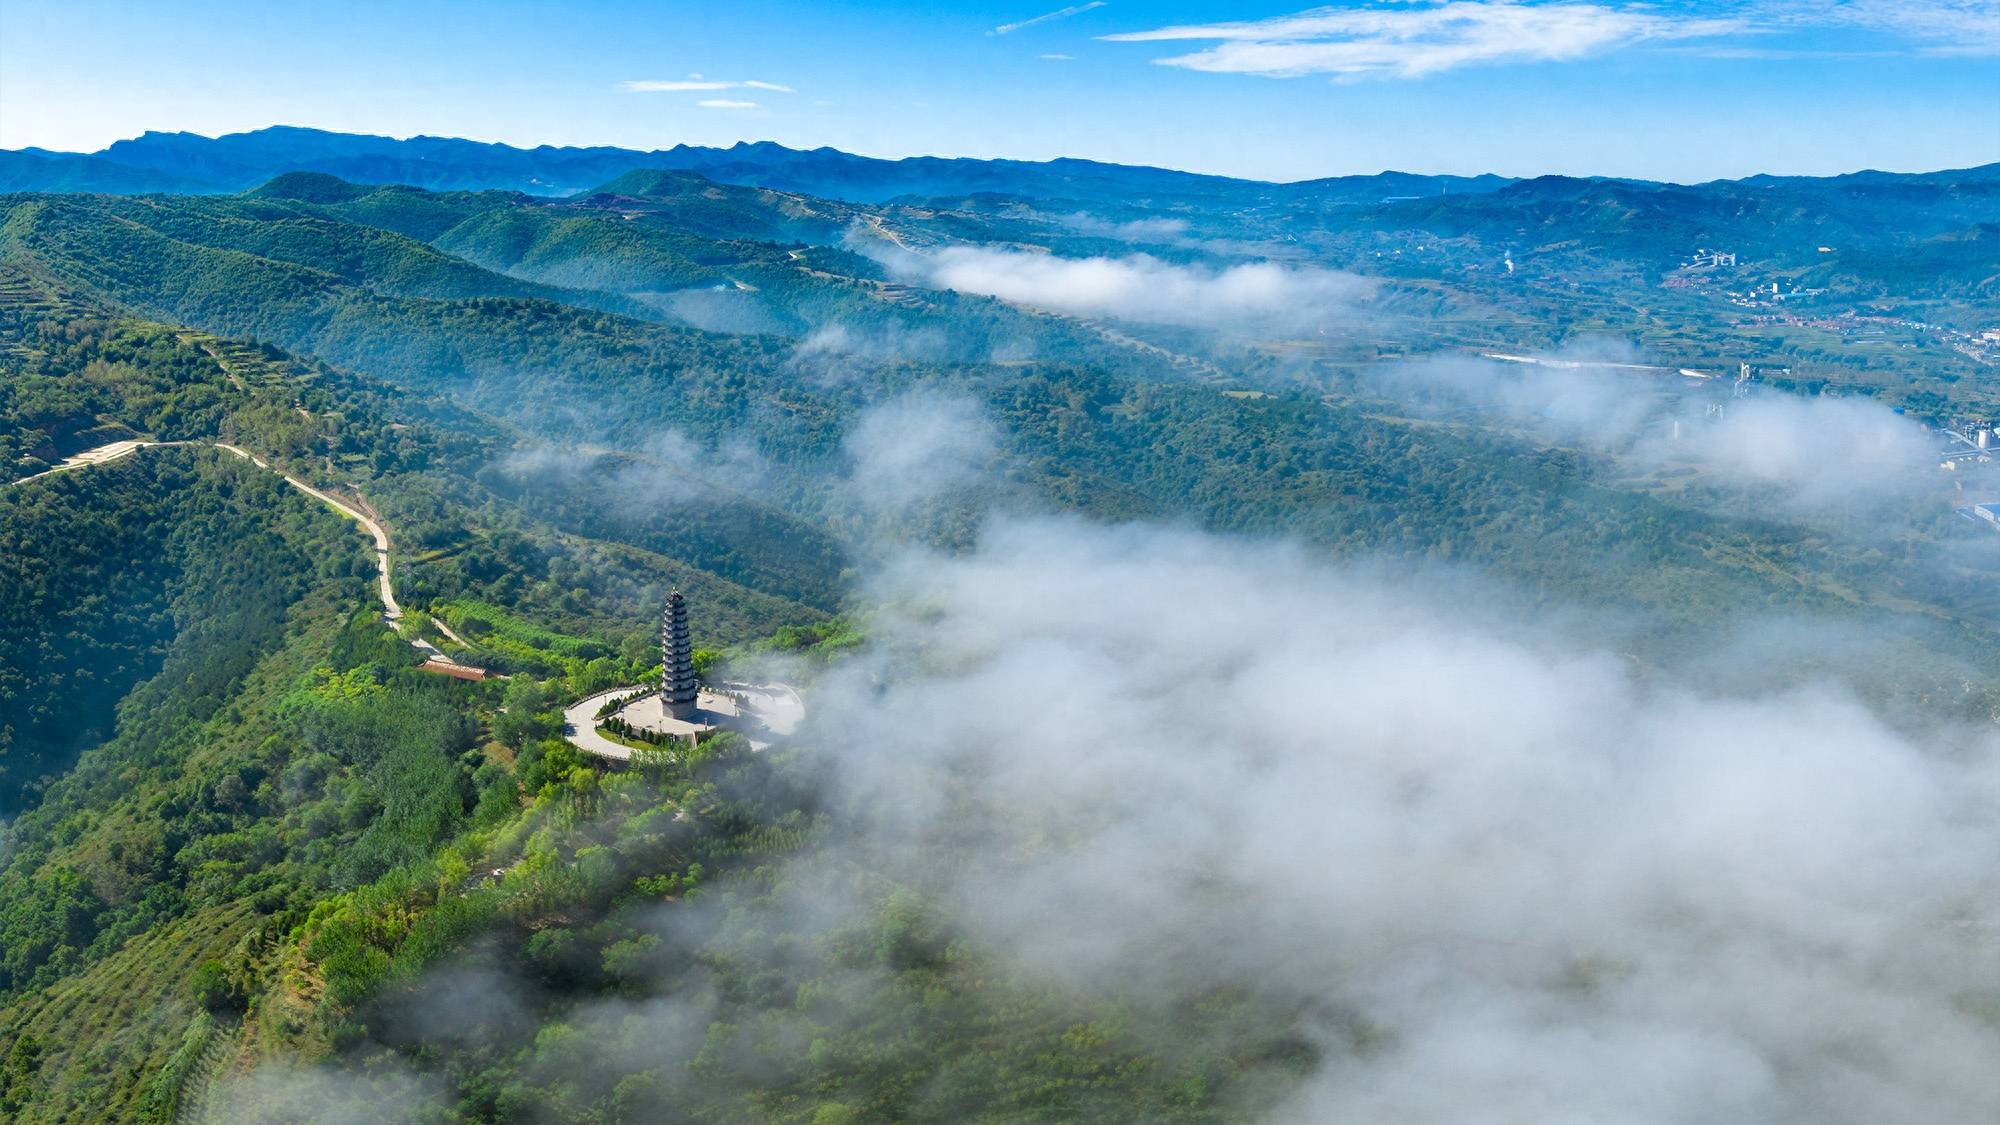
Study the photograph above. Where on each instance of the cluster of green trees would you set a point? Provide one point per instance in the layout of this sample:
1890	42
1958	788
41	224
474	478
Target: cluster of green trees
70	380
264	769
646	935
1087	427
239	800
627	732
106	579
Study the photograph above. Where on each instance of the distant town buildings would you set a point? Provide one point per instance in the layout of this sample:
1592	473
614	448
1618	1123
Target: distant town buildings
1748	371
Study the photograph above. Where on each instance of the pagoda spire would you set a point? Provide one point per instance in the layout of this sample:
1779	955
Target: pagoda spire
678	686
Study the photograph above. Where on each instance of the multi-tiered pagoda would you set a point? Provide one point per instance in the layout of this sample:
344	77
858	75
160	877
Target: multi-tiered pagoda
678	688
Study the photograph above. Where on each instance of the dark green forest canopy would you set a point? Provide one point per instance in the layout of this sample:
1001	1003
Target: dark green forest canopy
105	578
1088	427
240	810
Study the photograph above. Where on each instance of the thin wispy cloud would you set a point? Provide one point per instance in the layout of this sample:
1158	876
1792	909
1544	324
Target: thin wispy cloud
1046	17
1780	54
1057	57
1415	40
1951	27
726	103
698	84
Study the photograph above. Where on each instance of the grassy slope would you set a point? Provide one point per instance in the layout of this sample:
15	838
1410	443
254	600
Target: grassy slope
103	1040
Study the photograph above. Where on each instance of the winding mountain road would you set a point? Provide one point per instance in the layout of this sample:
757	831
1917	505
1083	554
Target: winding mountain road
392	612
102	455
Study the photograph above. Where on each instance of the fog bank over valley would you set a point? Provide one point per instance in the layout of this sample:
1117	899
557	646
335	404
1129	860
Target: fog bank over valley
1504	877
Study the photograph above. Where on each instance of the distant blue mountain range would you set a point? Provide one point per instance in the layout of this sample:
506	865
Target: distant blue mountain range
187	163
184	163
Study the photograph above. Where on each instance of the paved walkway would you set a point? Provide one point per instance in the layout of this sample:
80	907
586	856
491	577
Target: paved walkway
580	725
777	708
775	711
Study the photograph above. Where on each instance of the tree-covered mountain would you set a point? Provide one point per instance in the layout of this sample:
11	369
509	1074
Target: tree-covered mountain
239	161
1091	421
177	161
185	161
1561	231
255	849
36	170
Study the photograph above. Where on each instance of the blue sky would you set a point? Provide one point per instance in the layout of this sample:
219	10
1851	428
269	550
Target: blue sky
1682	91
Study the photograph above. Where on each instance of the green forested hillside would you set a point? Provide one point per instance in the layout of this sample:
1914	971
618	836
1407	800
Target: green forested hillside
251	847
106	577
885	1016
208	730
419	214
1088	424
702	206
571	250
214	817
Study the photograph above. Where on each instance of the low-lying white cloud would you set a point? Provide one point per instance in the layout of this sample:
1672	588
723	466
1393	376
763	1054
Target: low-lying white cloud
670	469
1131	230
274	1093
1823	452
1506	879
1807	453
916	447
1415	40
1145	289
838	341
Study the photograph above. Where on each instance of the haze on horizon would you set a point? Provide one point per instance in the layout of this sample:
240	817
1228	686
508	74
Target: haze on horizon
584	637
1685	92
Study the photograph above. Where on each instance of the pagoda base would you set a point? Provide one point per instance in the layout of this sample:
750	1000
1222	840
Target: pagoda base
712	711
760	712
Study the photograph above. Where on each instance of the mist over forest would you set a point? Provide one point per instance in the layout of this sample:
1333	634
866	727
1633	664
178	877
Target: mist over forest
1169	648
